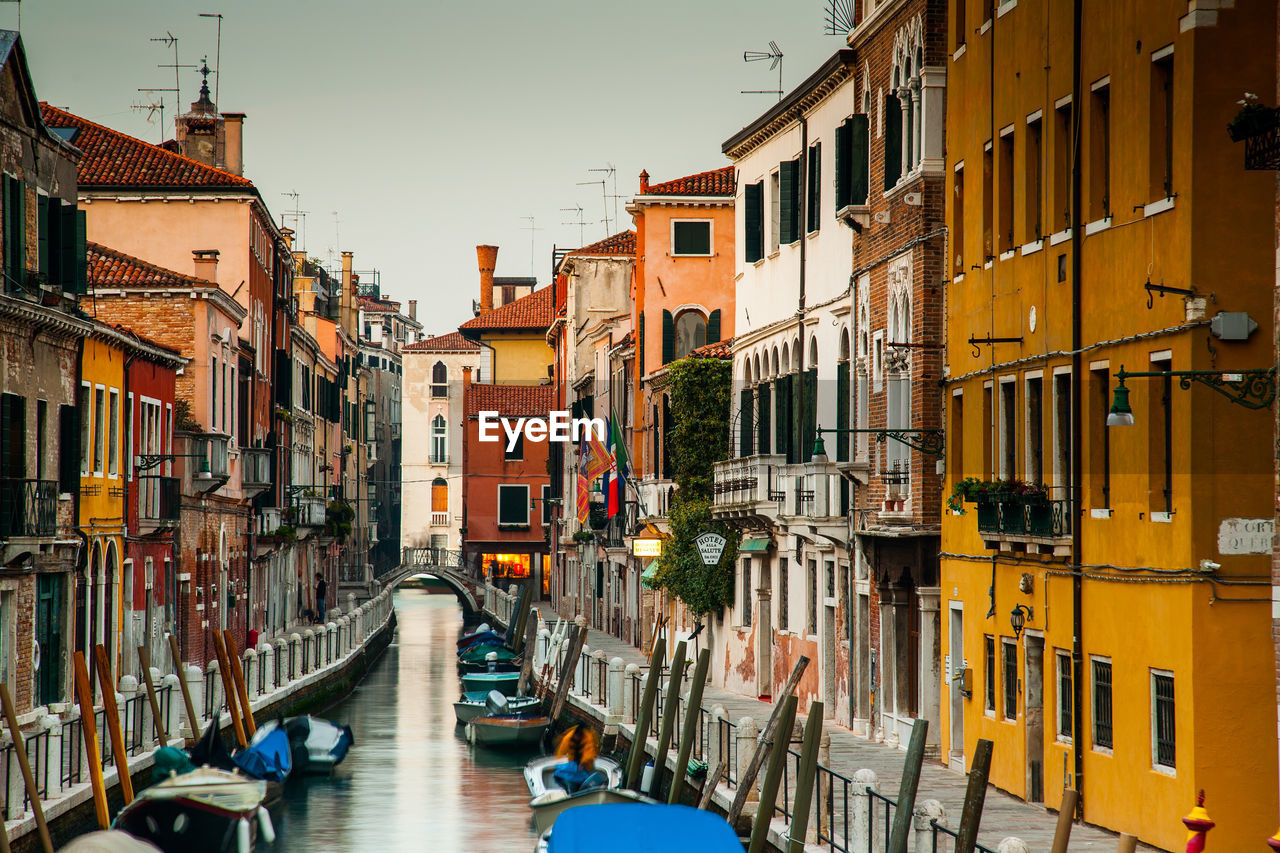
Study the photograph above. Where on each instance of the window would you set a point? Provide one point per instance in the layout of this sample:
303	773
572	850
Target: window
955	433
789	199
1164	743
86	425
1099	438
753	222
1100	152
782	593
13	443
513	505
1006	192
113	433
1102	732
1162	123
813	199
546	505
439	495
960	25
691	237
830	568
1010	651
811	622
1061	218
439	440
508	293
213	400
1065	696
852	164
746	427
99	433
746	592
1035	430
988	423
892	138
988	204
957	224
989	646
70	448
1008	430
514	452
775	211
1160	439
439	380
1033	155
691	332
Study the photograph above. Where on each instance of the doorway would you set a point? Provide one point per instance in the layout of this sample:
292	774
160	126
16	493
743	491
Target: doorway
955	685
1033	687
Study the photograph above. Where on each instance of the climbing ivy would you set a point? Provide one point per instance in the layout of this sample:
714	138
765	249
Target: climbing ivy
700	390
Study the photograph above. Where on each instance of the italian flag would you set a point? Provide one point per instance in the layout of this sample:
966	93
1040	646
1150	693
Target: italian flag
615	479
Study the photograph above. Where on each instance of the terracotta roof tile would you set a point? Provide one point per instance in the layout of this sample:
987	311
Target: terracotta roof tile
720	349
112	158
715	182
622	244
452	342
510	400
535	310
109	268
378	305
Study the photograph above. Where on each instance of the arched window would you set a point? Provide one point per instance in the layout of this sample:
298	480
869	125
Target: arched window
439	495
786	358
773	372
439	440
691	332
439	380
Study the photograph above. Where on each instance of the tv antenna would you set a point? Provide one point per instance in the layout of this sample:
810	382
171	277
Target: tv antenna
152	106
299	218
839	17
774	53
217	58
580	222
604	195
170	40
610	173
531	228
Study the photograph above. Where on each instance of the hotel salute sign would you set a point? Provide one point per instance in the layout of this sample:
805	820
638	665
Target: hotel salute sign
710	547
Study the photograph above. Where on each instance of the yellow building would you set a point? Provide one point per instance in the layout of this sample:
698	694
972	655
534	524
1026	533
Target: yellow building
1108	628
514	332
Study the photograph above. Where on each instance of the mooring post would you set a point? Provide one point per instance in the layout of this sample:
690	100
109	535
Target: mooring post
689	732
237	679
229	689
907	788
1128	843
566	672
1066	815
526	665
974	796
89	728
802	803
118	752
865	783
747	776
192	720
28	778
671	703
926	815
772	777
635	759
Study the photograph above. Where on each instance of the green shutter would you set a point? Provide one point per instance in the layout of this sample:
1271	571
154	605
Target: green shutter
753	234
640	342
859	142
781	405
713	327
788	194
809	423
42	236
68	449
81	251
892	141
6	196
813	213
745	423
66	262
843	160
762	425
842	411
796	416
668	337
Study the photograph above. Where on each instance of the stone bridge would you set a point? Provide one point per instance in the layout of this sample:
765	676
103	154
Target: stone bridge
440	563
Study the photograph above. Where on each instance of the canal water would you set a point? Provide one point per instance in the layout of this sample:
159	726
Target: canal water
412	782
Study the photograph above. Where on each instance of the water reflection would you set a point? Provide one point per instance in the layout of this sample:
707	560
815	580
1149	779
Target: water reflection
412	783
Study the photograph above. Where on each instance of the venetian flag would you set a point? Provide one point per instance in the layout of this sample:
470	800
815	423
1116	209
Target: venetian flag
584	484
598	460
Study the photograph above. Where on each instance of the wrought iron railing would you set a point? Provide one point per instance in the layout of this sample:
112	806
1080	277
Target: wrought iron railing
28	507
1024	516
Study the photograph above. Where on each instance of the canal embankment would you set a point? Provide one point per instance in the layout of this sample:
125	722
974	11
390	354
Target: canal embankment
305	670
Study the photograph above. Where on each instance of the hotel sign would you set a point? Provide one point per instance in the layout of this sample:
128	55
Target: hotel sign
710	547
646	547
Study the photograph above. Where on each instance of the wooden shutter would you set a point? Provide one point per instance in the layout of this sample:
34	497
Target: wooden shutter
439	495
6	197
640	343
859	141
762	424
753	200
13	436
66	262
713	327
813	215
668	337
781	407
842	411
892	141
788	195
81	250
42	236
745	426
809	423
843	161
68	449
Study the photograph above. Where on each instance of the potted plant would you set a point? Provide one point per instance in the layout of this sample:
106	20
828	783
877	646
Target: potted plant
1253	119
583	535
965	491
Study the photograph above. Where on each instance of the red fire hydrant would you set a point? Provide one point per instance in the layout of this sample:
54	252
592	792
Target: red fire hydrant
1198	824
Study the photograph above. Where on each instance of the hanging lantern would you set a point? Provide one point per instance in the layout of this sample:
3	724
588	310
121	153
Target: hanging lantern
1198	824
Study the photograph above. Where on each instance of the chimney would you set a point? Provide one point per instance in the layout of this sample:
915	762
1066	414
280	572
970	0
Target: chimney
287	234
347	302
488	258
233	142
644	182
413	309
206	264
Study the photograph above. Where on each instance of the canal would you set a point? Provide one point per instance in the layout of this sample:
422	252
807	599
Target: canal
412	782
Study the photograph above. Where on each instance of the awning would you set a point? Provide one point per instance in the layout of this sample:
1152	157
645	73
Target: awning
649	577
754	543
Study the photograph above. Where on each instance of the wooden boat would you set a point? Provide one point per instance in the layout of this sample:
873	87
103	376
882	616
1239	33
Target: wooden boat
539	774
481	652
472	705
504	682
548	807
639	828
479	637
204	811
484	628
507	731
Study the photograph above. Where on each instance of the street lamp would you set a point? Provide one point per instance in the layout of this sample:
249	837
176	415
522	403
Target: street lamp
819	449
1253	388
1120	414
1018	619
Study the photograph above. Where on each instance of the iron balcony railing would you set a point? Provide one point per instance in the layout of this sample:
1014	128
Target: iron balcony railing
1012	515
28	507
159	498
256	470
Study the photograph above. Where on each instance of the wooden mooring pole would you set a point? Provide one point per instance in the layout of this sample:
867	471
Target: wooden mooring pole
526	665
89	728
689	732
237	677
228	690
193	722
112	712
144	658
772	777
907	789
577	640
748	776
28	778
974	796
669	707
635	759
1066	815
806	777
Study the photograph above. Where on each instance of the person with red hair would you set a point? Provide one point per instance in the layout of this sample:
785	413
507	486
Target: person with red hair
579	747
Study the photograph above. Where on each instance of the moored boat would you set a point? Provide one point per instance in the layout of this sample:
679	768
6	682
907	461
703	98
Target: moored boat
539	774
480	652
508	731
548	807
315	745
472	705
204	811
639	828
504	682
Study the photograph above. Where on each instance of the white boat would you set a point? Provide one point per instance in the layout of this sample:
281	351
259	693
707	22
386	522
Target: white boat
472	705
548	806
539	774
204	811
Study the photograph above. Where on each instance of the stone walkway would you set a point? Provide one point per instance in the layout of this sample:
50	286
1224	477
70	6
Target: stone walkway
1003	815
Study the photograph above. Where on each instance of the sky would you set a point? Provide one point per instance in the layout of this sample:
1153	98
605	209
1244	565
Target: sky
413	131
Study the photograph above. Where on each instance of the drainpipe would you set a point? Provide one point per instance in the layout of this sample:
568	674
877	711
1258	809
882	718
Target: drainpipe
801	219
1077	443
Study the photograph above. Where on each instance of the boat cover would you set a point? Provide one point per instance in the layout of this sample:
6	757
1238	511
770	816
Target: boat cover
317	744
475	639
268	755
170	761
479	653
635	828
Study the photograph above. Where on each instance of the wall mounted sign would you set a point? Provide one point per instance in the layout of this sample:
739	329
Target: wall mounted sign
710	547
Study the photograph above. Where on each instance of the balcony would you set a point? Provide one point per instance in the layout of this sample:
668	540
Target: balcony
270	519
310	510
206	459
28	507
255	470
439	519
159	502
1034	525
750	487
655	497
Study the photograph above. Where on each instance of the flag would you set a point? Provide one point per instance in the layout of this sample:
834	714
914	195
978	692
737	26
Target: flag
598	459
584	484
615	479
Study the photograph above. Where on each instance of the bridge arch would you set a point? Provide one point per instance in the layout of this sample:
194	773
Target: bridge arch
462	587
